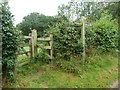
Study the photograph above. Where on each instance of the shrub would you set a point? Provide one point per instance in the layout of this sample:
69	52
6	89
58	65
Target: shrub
67	39
9	44
103	34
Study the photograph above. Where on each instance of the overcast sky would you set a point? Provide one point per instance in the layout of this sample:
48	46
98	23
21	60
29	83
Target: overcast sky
21	8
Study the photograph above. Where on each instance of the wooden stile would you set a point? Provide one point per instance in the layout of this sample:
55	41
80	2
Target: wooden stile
33	47
45	47
30	47
23	45
28	37
34	43
50	39
23	53
24	63
51	44
44	39
29	56
23	59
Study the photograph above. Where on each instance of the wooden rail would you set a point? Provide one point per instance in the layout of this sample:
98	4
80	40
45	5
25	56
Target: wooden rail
23	59
22	52
50	39
27	53
45	47
33	47
24	63
28	37
44	39
24	45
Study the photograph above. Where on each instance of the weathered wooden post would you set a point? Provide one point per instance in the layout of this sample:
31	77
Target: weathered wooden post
30	46
83	37
34	43
51	44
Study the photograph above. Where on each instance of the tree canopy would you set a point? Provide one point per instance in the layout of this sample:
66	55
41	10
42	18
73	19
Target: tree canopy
36	21
91	10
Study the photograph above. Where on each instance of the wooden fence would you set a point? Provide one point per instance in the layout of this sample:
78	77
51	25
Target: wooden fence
33	47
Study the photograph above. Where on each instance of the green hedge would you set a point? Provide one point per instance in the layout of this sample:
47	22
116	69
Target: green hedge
9	42
67	39
103	34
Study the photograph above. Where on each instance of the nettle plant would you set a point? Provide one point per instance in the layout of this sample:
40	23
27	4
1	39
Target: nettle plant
9	42
103	34
67	39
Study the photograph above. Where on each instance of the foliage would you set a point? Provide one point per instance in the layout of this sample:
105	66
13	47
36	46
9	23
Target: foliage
75	9
103	33
99	74
113	9
101	24
10	42
36	21
67	39
43	56
98	60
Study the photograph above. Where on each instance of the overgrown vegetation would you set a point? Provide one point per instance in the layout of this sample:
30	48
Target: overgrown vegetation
95	60
101	37
100	73
67	39
9	43
101	27
103	34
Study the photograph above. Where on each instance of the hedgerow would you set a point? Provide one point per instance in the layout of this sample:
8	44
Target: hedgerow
67	39
103	34
9	43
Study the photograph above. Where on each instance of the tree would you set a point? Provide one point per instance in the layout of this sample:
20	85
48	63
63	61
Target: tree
75	9
113	9
9	43
36	21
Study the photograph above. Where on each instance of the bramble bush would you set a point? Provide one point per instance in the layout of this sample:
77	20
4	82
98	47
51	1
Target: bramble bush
9	43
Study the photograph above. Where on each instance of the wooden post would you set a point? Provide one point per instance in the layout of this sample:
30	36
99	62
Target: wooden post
30	47
34	43
83	37
51	44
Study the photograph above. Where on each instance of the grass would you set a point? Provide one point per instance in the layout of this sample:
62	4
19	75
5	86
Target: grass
59	79
99	73
95	63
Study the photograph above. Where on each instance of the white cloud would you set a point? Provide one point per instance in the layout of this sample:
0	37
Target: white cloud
21	8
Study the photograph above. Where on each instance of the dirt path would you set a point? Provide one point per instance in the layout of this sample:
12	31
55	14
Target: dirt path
116	84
